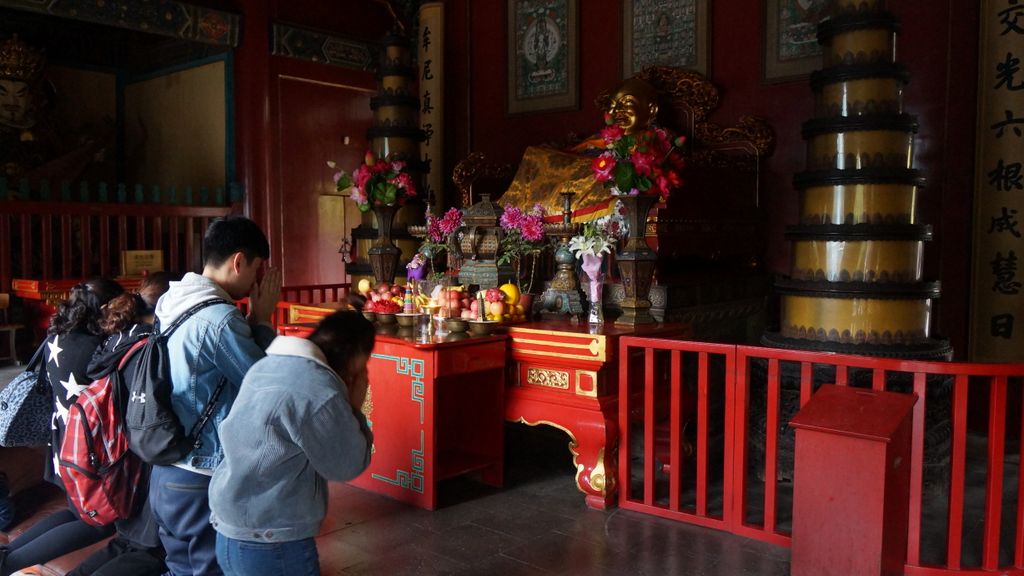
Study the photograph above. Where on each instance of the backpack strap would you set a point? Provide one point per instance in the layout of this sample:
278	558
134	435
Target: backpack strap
131	352
185	316
193	436
197	428
37	365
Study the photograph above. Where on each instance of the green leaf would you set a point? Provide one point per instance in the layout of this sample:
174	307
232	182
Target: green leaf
624	174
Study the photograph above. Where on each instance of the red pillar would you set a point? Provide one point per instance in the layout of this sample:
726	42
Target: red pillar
252	118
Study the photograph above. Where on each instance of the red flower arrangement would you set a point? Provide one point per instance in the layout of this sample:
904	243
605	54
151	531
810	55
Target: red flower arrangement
524	232
377	183
439	230
642	163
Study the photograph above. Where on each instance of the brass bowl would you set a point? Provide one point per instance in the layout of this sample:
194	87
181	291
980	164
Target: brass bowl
457	324
386	319
482	327
371	316
407	320
456	336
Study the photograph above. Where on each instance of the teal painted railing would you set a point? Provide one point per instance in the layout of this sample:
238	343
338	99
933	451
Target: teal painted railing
65	191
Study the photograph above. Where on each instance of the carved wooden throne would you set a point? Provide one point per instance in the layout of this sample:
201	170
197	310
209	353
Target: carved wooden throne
709	234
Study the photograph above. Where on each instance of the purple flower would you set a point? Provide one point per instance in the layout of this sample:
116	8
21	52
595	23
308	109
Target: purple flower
451	221
512	218
532	228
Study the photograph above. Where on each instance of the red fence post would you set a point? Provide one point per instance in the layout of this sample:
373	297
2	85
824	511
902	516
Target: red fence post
851	485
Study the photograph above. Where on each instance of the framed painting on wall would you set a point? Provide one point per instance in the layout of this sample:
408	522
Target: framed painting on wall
664	33
791	48
543	55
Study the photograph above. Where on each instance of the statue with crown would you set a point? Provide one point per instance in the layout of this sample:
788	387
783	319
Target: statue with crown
32	146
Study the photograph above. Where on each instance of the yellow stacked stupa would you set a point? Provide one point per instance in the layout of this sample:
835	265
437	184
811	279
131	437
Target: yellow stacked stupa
856	284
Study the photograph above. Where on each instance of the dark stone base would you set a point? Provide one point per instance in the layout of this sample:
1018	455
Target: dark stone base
933	349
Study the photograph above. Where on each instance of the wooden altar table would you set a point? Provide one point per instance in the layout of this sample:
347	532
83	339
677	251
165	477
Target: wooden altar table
566	375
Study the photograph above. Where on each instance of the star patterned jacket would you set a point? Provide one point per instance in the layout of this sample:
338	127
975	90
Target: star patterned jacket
67	361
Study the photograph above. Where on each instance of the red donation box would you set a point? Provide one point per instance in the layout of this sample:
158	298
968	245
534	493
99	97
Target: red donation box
851	484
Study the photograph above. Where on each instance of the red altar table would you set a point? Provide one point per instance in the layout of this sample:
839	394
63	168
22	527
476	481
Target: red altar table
435	410
566	375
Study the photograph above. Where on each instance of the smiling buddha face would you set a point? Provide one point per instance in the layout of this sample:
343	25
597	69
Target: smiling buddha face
634	105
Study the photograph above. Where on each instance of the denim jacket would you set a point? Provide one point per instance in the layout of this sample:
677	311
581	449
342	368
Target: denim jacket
292	431
217	342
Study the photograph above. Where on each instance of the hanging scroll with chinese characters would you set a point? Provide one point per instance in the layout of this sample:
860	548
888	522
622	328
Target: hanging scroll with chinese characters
997	330
431	61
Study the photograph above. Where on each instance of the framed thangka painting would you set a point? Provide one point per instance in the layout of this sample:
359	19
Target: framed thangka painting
791	47
664	33
543	49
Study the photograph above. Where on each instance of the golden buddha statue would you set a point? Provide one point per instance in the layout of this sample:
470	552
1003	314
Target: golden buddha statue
545	173
634	106
21	69
30	145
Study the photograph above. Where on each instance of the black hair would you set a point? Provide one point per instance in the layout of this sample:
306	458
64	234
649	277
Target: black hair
343	335
84	306
232	234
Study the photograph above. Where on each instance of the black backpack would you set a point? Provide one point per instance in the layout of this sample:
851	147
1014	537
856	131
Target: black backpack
154	432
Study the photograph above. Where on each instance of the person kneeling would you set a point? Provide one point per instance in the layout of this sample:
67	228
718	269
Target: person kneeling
295	425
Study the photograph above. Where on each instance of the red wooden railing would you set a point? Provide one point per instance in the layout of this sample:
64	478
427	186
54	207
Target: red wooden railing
308	294
315	293
705	396
53	240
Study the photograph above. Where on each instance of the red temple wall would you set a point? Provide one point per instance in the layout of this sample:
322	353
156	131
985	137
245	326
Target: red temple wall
938	44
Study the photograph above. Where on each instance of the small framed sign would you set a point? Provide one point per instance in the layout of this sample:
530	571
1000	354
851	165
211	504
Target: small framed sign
139	262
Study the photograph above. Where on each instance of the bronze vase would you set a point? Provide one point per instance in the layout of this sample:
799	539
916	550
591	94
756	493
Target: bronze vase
384	254
636	262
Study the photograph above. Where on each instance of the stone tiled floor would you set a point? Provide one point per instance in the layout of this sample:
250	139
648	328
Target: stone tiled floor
537	524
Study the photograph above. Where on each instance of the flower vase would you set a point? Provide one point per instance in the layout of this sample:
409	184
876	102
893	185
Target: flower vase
592	268
636	262
384	254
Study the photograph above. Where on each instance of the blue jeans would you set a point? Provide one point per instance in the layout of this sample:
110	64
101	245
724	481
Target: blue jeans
181	508
241	558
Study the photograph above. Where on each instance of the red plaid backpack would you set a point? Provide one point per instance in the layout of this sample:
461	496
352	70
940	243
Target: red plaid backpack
101	475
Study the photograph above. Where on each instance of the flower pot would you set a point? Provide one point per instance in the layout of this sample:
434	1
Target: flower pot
636	262
384	254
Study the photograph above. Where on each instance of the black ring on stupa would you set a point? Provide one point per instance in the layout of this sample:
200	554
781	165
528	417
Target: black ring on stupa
865	290
828	29
404	100
860	232
835	125
932	349
845	72
876	175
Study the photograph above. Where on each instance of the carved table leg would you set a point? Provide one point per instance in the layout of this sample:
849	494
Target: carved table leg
594	444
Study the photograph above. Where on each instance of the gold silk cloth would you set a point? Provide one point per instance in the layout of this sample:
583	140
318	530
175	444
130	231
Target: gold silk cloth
544	173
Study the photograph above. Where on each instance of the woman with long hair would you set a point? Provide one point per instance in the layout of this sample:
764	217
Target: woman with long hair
136	550
74	335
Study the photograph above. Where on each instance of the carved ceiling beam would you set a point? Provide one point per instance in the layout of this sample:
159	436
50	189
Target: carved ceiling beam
171	18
